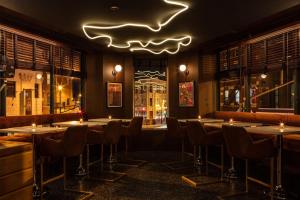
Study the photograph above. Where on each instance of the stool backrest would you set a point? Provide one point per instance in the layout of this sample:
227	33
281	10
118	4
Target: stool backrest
196	132
135	126
237	141
112	132
75	140
172	125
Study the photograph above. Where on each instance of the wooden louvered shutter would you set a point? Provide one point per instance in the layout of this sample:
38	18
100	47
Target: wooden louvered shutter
9	45
292	48
66	58
234	58
257	55
24	52
56	57
223	60
42	55
76	61
208	68
2	43
275	51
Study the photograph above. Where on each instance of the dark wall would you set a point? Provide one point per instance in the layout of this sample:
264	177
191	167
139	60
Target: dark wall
191	59
99	72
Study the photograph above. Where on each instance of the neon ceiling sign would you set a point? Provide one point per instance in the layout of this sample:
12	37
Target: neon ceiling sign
139	45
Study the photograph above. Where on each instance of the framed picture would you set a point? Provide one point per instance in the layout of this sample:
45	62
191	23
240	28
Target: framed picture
114	94
186	94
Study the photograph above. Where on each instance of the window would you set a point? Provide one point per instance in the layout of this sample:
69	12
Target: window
23	93
11	89
67	94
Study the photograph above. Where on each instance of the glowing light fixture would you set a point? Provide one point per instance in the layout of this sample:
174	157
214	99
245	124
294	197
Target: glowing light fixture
142	46
182	68
117	69
39	76
264	75
60	87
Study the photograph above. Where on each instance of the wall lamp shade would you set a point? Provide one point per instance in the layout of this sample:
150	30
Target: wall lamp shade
182	68
117	69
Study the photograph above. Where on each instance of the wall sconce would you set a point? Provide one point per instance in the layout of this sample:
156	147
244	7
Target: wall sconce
117	69
183	69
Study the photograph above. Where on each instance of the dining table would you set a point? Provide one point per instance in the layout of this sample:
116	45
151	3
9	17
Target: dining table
78	123
106	120
202	120
35	132
279	132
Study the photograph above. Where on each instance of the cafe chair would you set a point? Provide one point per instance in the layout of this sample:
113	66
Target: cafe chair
198	136
109	135
178	132
72	144
240	145
134	129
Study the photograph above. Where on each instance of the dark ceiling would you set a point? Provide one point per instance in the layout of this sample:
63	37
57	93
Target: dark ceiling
205	20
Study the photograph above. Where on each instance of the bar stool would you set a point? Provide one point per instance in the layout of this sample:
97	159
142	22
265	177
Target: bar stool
110	135
132	130
198	136
240	145
178	132
72	144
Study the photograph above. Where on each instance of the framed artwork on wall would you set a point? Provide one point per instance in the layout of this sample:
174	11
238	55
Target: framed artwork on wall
186	94
114	94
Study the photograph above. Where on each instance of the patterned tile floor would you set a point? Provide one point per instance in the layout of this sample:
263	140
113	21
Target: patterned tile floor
152	181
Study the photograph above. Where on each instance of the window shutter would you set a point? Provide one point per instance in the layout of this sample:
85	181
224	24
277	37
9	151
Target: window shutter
208	68
76	61
223	60
9	45
66	58
257	55
234	58
24	52
275	51
292	48
42	53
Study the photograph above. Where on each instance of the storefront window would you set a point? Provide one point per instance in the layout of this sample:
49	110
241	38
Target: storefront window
67	94
28	93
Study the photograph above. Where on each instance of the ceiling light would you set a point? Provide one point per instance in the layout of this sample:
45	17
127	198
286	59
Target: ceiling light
128	44
114	8
60	87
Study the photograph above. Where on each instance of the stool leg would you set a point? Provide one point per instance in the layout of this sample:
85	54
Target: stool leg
272	178
42	177
65	175
195	156
222	162
87	158
206	159
247	186
182	149
126	146
102	152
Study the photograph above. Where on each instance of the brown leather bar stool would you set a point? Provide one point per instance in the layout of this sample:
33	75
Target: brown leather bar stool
198	136
134	129
178	132
72	144
240	145
110	135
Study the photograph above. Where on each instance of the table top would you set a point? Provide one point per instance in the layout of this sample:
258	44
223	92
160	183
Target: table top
235	123
202	120
274	130
154	127
77	123
30	130
106	120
